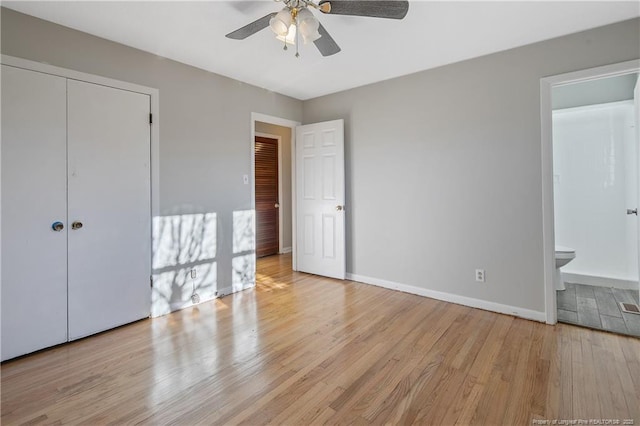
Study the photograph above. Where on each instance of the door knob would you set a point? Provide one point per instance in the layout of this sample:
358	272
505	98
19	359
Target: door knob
277	206
57	226
339	208
634	211
76	225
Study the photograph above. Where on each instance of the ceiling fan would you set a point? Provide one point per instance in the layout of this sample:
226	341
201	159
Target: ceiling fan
296	20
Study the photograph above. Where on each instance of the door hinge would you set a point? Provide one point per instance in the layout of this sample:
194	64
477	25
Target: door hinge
151	281
150	118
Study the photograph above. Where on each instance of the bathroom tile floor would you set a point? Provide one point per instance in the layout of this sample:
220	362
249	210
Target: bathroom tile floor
598	307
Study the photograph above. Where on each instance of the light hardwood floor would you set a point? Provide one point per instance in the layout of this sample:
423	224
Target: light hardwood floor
301	349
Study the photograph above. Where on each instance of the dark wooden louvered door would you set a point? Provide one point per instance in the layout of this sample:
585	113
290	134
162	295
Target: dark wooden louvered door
266	164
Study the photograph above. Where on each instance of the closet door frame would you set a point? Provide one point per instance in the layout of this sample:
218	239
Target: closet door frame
154	95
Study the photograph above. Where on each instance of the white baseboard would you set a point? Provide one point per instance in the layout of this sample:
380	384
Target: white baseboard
285	250
453	298
600	281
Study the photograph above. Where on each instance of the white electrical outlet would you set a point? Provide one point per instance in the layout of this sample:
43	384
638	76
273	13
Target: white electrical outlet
480	275
193	273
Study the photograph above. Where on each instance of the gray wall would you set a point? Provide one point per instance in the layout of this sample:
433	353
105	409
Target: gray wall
285	202
205	149
444	169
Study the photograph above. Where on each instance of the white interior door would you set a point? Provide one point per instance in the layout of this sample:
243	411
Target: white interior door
320	195
109	193
34	256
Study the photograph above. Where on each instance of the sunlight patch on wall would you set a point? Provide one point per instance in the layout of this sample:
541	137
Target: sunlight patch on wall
172	289
182	244
182	239
243	264
244	274
244	231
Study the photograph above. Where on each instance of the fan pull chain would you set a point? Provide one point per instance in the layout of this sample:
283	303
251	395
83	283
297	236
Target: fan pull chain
297	38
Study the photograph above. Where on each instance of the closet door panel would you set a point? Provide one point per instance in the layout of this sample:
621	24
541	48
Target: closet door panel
109	194
34	256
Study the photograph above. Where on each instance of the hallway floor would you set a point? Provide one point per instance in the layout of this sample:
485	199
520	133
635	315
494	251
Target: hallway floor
599	308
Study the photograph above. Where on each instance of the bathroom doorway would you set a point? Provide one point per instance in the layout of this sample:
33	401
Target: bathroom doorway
595	196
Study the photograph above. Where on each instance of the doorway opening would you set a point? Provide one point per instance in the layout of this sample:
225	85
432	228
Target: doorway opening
590	146
272	208
273	195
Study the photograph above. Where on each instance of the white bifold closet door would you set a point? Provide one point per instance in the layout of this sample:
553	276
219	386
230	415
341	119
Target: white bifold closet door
77	154
34	196
109	194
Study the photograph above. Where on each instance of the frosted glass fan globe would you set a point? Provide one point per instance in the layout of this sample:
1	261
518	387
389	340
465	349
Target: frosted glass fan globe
281	22
308	25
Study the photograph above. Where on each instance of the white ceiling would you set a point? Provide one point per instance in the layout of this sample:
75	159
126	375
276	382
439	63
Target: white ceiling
432	34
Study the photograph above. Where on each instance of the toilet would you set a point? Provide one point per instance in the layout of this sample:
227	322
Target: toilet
564	255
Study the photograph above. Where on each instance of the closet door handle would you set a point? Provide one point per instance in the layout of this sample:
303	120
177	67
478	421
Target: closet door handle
76	225
57	226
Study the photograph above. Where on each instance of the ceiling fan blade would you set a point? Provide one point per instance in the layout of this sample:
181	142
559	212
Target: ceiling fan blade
252	28
393	9
326	44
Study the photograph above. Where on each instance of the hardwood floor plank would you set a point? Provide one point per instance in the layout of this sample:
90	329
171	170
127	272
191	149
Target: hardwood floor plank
419	364
460	382
586	397
564	375
303	349
464	409
626	372
611	402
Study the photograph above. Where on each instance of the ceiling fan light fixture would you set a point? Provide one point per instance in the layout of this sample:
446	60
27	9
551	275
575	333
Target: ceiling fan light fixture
290	37
280	23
